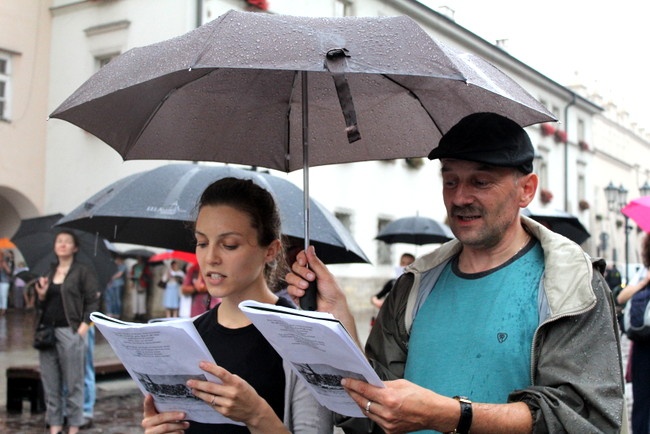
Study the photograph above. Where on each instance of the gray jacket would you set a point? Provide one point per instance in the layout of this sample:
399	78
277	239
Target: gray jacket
302	413
576	367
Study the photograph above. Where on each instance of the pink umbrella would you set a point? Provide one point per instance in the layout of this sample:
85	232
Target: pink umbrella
639	211
190	258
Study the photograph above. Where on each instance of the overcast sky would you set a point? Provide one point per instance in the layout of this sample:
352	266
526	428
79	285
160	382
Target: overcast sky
596	43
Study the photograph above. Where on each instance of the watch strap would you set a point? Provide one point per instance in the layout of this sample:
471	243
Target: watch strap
465	421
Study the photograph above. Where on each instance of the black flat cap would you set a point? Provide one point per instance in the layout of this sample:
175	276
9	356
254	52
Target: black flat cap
487	138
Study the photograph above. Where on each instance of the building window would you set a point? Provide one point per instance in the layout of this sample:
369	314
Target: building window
581	130
384	250
103	60
342	8
542	171
581	187
5	86
345	218
556	111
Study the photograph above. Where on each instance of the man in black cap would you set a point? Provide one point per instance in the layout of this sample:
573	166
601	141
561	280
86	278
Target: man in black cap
508	328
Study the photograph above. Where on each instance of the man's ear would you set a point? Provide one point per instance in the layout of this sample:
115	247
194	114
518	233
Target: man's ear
528	184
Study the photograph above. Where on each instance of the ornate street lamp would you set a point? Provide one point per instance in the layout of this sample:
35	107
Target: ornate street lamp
644	190
616	200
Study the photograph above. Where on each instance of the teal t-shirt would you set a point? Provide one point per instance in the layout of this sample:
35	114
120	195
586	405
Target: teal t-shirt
473	334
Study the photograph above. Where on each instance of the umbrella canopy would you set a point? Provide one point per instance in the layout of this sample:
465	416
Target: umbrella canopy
415	230
35	240
5	243
157	208
138	252
233	90
289	92
559	221
188	257
639	211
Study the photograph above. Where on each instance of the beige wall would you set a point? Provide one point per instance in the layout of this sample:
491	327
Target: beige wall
25	34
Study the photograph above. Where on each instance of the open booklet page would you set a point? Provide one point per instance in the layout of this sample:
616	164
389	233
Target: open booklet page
319	348
161	357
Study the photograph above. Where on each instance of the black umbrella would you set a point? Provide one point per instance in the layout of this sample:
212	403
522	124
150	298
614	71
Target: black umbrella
157	208
559	221
35	240
415	230
138	252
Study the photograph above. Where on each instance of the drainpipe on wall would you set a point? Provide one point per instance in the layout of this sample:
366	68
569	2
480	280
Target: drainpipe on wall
199	13
566	152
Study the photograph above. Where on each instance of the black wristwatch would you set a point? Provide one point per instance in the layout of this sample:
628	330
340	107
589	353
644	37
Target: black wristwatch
465	421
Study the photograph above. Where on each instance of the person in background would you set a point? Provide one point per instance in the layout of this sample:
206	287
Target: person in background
6	268
173	279
65	299
194	285
140	281
612	276
639	359
509	328
90	391
185	301
115	289
238	249
378	299
19	295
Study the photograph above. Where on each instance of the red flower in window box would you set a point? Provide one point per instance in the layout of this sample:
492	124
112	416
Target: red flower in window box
583	145
260	4
547	129
545	195
560	136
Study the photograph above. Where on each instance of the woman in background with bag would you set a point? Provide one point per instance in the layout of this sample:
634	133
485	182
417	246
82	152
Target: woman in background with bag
172	284
640	351
65	299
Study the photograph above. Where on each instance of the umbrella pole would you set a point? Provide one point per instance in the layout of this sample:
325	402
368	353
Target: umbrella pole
307	301
305	154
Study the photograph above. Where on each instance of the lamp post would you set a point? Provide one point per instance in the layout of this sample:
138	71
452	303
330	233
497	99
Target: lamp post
644	190
616	200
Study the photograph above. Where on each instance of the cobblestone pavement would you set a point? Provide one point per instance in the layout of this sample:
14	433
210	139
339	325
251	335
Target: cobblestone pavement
115	413
118	409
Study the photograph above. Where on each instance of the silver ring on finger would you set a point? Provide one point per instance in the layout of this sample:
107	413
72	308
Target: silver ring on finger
213	398
368	404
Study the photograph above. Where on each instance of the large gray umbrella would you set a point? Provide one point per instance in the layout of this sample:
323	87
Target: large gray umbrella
235	90
259	89
157	208
415	230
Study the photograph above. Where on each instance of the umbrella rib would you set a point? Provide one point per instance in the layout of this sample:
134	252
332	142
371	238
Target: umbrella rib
156	109
410	92
287	149
207	40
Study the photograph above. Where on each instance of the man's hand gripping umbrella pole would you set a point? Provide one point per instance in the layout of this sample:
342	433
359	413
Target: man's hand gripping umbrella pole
328	295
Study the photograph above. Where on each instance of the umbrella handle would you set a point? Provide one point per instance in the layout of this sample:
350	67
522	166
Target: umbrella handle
308	301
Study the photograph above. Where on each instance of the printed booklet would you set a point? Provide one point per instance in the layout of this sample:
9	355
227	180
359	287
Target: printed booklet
319	348
161	357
